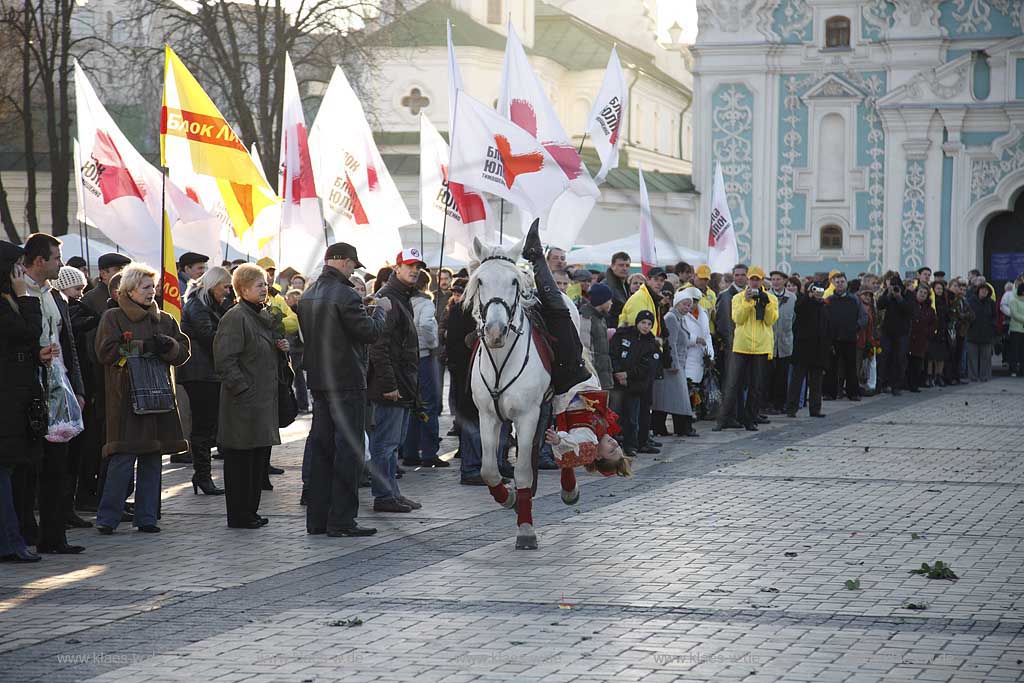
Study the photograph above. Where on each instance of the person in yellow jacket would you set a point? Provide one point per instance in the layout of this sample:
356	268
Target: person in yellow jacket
644	300
754	312
275	301
830	290
708	298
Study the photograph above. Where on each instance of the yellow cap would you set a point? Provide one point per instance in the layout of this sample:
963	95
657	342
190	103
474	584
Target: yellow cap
833	273
704	272
266	263
755	271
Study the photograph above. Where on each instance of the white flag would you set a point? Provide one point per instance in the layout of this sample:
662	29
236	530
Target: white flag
360	200
722	251
648	252
302	243
608	117
448	206
454	80
121	191
492	154
522	100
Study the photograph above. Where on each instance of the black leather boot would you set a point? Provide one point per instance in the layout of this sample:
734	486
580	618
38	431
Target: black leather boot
202	479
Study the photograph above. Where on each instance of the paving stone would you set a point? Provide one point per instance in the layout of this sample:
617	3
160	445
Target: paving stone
680	573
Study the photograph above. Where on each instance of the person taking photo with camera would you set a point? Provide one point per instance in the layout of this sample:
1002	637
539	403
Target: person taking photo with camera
753	312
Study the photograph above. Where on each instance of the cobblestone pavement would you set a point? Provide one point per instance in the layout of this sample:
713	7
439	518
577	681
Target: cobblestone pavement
725	558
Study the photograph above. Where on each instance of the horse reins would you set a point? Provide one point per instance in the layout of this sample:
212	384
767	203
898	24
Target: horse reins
497	390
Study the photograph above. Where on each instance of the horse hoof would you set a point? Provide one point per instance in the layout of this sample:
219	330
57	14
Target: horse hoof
527	538
571	497
510	502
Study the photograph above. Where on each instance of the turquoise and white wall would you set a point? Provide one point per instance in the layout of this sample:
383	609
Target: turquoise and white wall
908	140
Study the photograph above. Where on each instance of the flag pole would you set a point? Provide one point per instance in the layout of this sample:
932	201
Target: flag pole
501	223
448	190
584	139
163	237
84	227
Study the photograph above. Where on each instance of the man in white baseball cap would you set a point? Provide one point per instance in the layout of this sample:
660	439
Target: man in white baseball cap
393	383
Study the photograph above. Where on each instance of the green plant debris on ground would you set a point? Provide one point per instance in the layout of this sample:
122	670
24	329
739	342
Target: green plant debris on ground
915	605
939	570
853	584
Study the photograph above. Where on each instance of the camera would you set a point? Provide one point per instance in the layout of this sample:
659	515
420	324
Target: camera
760	304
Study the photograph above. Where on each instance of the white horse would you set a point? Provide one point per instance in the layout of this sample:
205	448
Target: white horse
508	379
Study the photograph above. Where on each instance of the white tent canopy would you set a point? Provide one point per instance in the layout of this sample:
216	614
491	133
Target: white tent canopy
668	253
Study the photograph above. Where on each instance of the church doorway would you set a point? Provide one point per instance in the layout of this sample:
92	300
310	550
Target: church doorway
1004	245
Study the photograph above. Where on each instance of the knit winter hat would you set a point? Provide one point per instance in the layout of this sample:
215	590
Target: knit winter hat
70	277
643	315
599	294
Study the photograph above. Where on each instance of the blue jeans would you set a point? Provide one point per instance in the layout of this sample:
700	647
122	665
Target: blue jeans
120	470
10	532
423	438
547	455
471	449
390	425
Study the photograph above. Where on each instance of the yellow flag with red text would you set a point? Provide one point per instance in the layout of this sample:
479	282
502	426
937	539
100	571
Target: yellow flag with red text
170	287
196	139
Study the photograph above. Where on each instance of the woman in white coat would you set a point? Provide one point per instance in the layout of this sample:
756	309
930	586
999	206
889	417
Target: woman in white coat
672	394
698	327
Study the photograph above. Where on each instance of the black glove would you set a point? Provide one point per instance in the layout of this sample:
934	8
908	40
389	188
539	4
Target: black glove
158	345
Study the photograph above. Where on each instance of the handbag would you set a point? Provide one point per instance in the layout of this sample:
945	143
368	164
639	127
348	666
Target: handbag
287	404
150	385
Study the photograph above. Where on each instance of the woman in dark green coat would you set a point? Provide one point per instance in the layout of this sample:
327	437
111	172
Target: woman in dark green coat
249	350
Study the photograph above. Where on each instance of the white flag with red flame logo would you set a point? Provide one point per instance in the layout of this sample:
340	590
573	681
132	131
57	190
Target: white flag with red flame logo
302	243
360	200
492	154
120	190
522	100
446	205
608	116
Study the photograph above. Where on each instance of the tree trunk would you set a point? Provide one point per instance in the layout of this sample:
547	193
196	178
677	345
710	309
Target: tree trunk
5	216
59	125
31	218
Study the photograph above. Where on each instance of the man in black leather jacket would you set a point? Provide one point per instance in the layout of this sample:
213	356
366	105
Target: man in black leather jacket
337	328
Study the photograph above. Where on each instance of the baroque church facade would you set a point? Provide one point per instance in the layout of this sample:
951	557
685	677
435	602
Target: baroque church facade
865	135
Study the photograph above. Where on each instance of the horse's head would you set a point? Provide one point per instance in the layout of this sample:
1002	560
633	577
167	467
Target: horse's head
496	290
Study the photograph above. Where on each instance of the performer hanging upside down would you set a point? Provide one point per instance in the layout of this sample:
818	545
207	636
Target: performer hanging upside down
585	424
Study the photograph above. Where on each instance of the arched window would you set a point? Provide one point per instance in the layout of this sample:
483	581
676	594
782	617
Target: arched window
494	11
831	237
837	32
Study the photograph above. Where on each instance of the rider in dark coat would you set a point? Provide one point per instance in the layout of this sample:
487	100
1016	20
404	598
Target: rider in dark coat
568	368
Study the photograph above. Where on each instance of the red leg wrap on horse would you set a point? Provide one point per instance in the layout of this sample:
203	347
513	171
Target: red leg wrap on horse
524	506
499	493
568	479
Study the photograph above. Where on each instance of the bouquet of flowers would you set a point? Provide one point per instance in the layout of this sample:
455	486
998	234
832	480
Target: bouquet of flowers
126	349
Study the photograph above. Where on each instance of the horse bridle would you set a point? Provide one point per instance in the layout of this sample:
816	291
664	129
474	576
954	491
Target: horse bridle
497	390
